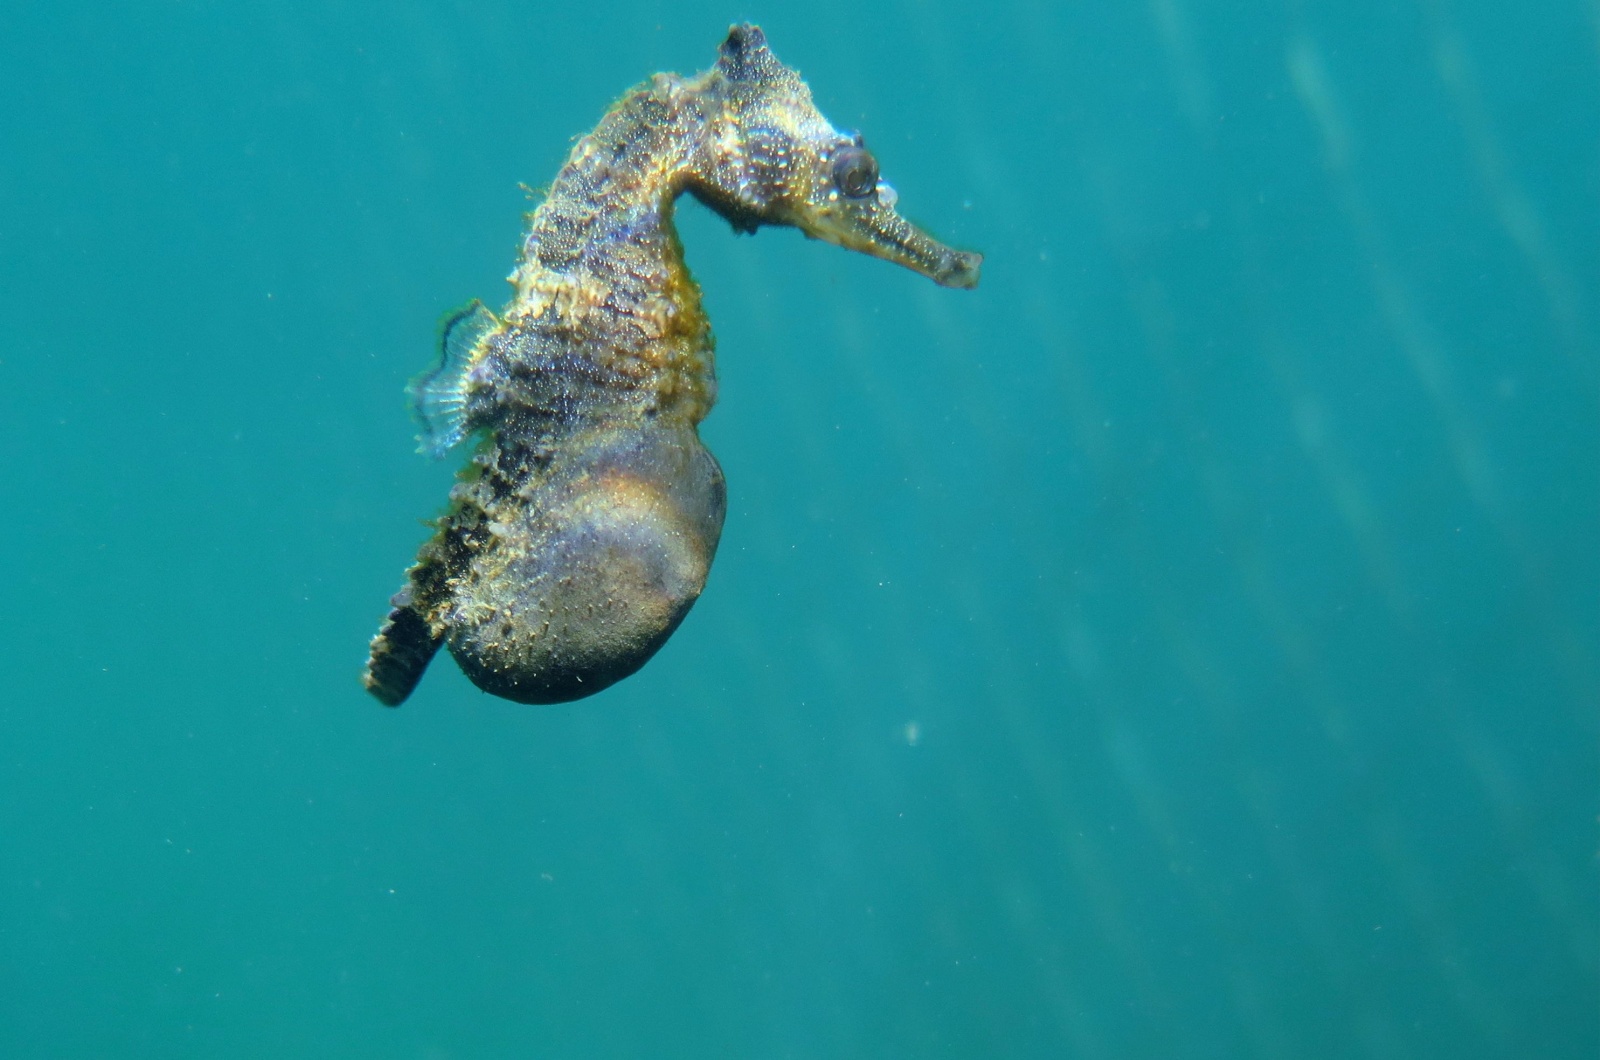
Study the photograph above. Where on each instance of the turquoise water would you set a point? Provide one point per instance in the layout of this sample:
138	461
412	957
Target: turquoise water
1186	645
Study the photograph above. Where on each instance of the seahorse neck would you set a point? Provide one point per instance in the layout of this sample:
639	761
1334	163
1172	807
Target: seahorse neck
604	236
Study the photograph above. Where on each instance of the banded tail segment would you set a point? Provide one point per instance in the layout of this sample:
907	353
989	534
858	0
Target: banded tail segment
400	652
439	397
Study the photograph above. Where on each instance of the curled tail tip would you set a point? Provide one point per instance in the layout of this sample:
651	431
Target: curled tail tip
400	653
388	695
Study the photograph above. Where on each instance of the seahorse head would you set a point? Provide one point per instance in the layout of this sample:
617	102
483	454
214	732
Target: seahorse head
775	160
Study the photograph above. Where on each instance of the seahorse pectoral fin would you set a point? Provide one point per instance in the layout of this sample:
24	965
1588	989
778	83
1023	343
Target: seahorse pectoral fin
400	652
439	396
872	226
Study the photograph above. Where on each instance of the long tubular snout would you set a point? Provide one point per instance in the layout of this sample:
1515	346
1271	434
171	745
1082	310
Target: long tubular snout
876	228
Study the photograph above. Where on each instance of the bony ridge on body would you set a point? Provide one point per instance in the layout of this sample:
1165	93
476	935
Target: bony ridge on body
584	527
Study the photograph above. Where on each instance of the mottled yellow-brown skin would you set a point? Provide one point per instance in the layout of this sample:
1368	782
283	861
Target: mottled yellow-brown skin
583	530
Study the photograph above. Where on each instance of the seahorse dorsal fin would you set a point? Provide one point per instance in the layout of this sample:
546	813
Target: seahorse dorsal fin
439	396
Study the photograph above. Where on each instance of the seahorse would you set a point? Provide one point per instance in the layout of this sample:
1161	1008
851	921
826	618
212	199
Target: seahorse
584	526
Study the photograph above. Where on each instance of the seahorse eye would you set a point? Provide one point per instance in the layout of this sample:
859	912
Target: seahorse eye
855	171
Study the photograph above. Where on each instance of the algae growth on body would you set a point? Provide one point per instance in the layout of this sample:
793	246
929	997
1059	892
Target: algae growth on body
584	527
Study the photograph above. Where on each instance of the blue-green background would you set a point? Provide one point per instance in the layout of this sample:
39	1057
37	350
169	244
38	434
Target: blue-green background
1186	645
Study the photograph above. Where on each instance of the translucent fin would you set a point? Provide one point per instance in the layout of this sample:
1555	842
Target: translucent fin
439	397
